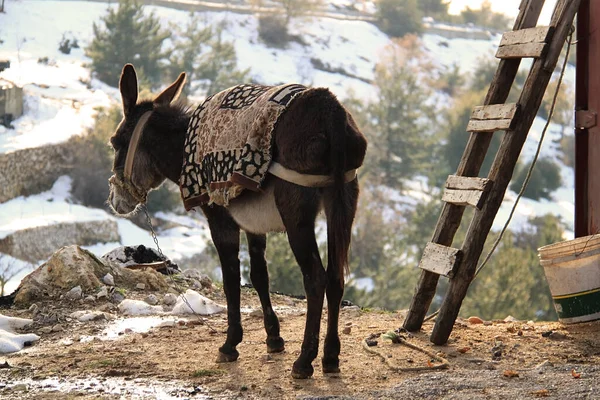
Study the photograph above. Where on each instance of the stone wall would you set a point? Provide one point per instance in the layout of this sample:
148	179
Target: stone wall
39	243
33	170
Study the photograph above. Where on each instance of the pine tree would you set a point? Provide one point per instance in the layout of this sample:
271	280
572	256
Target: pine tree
401	120
209	60
127	36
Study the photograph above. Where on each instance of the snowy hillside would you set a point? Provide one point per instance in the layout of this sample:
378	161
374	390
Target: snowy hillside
61	98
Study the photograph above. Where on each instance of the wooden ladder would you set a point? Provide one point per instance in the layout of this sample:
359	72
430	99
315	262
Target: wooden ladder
543	44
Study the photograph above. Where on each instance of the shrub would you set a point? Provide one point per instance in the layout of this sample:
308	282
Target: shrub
545	178
93	160
398	17
272	29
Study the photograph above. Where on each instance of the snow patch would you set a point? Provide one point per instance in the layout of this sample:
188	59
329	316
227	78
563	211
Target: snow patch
10	341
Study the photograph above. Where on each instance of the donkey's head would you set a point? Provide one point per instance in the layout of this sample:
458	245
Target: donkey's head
135	172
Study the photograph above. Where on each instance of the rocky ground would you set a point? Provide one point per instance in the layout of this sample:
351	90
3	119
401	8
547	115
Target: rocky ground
114	356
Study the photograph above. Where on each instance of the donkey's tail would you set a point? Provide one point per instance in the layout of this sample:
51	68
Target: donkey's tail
341	198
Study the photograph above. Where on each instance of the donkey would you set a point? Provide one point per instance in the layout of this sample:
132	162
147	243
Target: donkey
316	136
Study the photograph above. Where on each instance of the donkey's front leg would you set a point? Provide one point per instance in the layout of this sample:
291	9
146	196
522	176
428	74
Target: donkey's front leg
226	236
260	280
298	208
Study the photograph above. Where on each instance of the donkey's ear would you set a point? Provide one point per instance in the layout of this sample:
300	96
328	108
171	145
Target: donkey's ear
129	88
171	93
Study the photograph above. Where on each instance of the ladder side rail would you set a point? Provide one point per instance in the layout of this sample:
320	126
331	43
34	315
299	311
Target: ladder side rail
505	161
470	163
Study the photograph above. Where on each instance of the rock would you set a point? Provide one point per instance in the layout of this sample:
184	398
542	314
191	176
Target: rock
256	313
510	318
74	294
347	330
192	273
117	297
73	266
151	299
86	315
557	335
543	365
169	299
353	311
34	309
206	282
475	320
46	329
488	323
57	328
103	293
140	286
109	280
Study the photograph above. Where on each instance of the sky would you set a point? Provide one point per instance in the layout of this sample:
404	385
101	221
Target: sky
508	7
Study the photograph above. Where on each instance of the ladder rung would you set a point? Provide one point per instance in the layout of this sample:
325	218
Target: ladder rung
524	43
491	118
441	260
466	191
539	34
495	111
533	50
489	125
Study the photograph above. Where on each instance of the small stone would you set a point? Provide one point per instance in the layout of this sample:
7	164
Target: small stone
557	335
256	313
109	280
151	299
117	297
205	281
89	299
21	387
347	330
46	329
543	365
74	294
140	286
57	328
170	299
267	358
34	309
487	323
475	320
103	293
510	318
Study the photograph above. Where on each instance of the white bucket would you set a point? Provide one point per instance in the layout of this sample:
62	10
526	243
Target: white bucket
572	269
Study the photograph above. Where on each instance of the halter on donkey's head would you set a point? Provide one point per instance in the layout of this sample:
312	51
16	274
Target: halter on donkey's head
129	93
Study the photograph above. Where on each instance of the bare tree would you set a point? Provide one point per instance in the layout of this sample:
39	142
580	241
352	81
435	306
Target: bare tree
9	268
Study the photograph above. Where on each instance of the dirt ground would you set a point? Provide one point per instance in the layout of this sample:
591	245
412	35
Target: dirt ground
493	360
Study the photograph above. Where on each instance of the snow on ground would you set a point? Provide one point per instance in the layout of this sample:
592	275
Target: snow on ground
55	206
10	341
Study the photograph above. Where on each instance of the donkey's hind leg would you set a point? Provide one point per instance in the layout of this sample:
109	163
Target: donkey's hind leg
260	280
225	234
298	207
340	215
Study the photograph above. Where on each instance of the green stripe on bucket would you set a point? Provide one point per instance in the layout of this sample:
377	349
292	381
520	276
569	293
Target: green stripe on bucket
577	304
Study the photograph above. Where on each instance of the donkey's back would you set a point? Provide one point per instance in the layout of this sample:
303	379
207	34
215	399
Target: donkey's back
316	130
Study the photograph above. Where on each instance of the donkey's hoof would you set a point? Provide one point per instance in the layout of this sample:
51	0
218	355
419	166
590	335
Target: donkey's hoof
302	373
275	345
331	366
224	358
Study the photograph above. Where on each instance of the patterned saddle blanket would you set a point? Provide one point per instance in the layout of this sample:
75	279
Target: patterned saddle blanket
228	143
